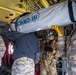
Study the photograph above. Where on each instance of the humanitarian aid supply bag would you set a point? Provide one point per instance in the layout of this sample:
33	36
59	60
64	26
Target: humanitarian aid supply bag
54	15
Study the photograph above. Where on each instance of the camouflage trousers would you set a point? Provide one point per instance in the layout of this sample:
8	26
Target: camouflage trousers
72	62
23	66
48	69
72	54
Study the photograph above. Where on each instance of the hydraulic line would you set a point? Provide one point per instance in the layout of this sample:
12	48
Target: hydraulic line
37	4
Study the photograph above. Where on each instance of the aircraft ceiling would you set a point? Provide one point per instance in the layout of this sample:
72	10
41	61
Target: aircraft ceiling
9	9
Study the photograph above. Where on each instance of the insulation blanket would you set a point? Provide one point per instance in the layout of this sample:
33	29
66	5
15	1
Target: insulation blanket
54	15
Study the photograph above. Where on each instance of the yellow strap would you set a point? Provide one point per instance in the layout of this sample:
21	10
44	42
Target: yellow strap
9	21
59	30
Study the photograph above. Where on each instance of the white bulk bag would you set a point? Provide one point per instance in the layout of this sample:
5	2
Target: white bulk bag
54	15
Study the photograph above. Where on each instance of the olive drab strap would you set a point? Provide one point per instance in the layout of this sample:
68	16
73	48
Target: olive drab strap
70	8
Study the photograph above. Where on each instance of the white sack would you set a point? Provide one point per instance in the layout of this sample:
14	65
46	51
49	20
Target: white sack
54	15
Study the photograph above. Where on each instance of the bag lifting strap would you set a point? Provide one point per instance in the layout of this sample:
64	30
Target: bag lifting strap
70	8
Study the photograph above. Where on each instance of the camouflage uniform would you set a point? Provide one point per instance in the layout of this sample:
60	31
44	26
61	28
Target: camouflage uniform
61	45
48	61
23	66
2	48
72	54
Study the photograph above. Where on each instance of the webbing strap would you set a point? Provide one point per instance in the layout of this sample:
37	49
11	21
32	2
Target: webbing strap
71	14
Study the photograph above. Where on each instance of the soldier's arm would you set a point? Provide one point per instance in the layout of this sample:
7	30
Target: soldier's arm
11	35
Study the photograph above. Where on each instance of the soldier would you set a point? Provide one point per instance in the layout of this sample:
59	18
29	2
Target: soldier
71	54
50	54
70	48
26	51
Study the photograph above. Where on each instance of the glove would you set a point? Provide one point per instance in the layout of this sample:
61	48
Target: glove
58	29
